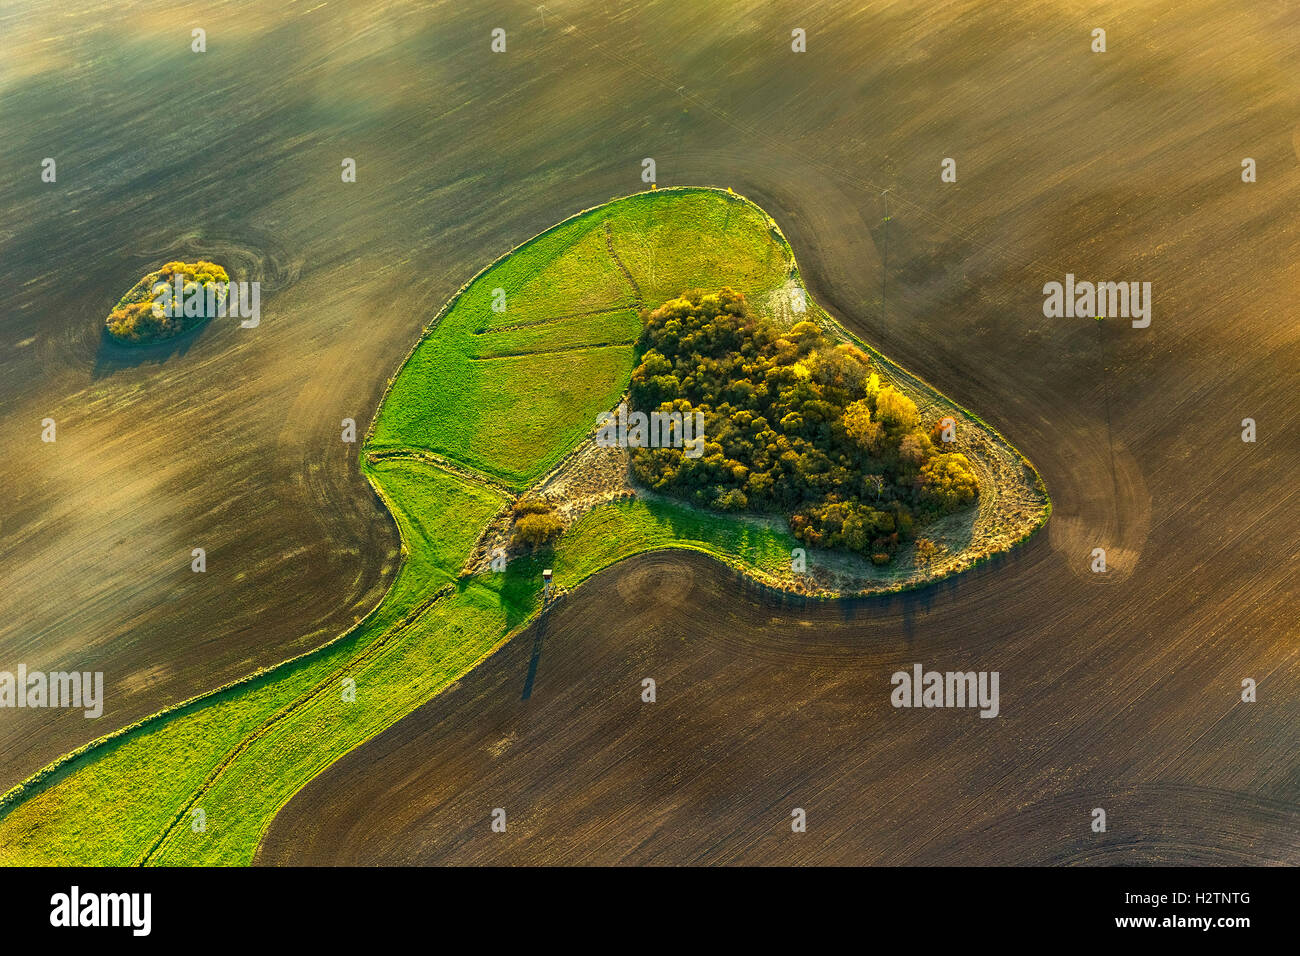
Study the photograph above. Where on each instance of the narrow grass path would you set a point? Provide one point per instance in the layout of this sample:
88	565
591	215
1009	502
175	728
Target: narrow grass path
328	683
636	289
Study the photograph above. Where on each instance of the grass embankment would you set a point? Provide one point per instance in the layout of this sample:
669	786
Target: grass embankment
505	393
618	530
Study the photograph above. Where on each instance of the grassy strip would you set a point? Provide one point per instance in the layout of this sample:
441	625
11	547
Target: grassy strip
615	531
435	650
111	802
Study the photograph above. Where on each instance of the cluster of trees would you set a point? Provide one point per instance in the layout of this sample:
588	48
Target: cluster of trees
133	319
535	522
796	424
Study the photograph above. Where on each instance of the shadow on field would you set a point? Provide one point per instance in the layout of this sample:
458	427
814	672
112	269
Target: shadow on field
115	357
909	606
539	635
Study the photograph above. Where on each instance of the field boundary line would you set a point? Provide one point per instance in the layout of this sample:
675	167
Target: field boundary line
493	329
451	685
454	468
370	652
558	350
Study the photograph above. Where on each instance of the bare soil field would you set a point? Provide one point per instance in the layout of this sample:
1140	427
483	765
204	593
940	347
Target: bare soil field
1119	690
761	709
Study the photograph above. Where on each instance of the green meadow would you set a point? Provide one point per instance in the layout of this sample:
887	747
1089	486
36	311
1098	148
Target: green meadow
502	394
509	393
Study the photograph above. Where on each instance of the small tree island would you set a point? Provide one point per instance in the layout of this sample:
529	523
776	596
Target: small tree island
134	319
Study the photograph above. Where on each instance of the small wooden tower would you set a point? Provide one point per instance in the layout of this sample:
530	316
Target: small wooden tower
546	585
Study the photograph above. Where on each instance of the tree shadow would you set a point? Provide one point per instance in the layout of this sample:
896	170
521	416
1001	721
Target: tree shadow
517	591
516	588
113	356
